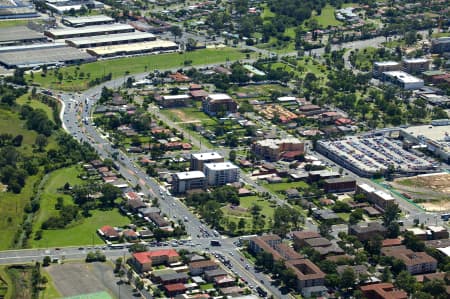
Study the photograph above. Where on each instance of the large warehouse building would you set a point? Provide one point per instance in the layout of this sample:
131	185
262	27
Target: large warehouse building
88	31
19	35
17	10
87	20
44	54
134	49
110	39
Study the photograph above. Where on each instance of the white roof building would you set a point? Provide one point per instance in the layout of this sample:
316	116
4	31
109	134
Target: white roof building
206	156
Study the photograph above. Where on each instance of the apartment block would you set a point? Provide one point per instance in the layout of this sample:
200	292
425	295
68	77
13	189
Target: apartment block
308	274
219	103
366	231
415	65
344	184
377	197
200	159
380	67
219	174
273	149
382	291
416	262
188	180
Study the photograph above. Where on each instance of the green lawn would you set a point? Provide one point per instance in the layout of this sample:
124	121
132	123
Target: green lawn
207	286
50	291
327	17
50	193
133	65
83	232
344	216
284	186
80	233
35	104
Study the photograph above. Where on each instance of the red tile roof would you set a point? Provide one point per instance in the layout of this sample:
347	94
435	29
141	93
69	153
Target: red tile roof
109	231
175	287
145	257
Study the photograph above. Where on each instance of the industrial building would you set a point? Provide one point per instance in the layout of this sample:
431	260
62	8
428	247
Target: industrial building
372	154
156	46
110	39
187	180
88	31
403	80
18	10
384	66
43	54
435	137
218	174
87	20
62	6
198	160
20	35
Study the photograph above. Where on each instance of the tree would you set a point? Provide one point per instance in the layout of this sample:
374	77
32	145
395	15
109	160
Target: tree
176	31
373	246
41	141
391	214
324	229
386	275
118	265
47	260
241	224
406	281
348	278
232	155
356	216
435	287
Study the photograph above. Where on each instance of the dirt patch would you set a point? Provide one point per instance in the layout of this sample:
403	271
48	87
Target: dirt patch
182	116
436	182
235	210
432	192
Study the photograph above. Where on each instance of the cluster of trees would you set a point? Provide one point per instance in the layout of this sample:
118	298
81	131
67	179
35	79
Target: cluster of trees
38	280
96	256
209	204
67	214
97	81
37	120
286	275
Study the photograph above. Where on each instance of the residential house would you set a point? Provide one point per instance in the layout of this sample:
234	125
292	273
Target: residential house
198	268
108	232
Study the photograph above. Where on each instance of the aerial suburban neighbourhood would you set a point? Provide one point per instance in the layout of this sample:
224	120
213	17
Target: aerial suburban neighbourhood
224	149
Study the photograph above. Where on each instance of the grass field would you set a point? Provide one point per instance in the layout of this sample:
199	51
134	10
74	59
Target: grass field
83	232
267	209
35	104
11	205
133	65
284	186
50	193
327	17
80	233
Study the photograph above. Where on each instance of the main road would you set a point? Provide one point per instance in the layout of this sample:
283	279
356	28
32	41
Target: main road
76	119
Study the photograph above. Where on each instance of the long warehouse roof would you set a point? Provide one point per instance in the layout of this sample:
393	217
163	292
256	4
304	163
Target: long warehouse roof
90	29
135	47
42	56
80	41
18	33
88	19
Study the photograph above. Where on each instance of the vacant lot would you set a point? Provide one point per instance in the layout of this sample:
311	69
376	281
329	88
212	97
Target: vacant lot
73	279
430	191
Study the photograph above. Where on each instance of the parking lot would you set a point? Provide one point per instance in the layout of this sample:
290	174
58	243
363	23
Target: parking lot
371	154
